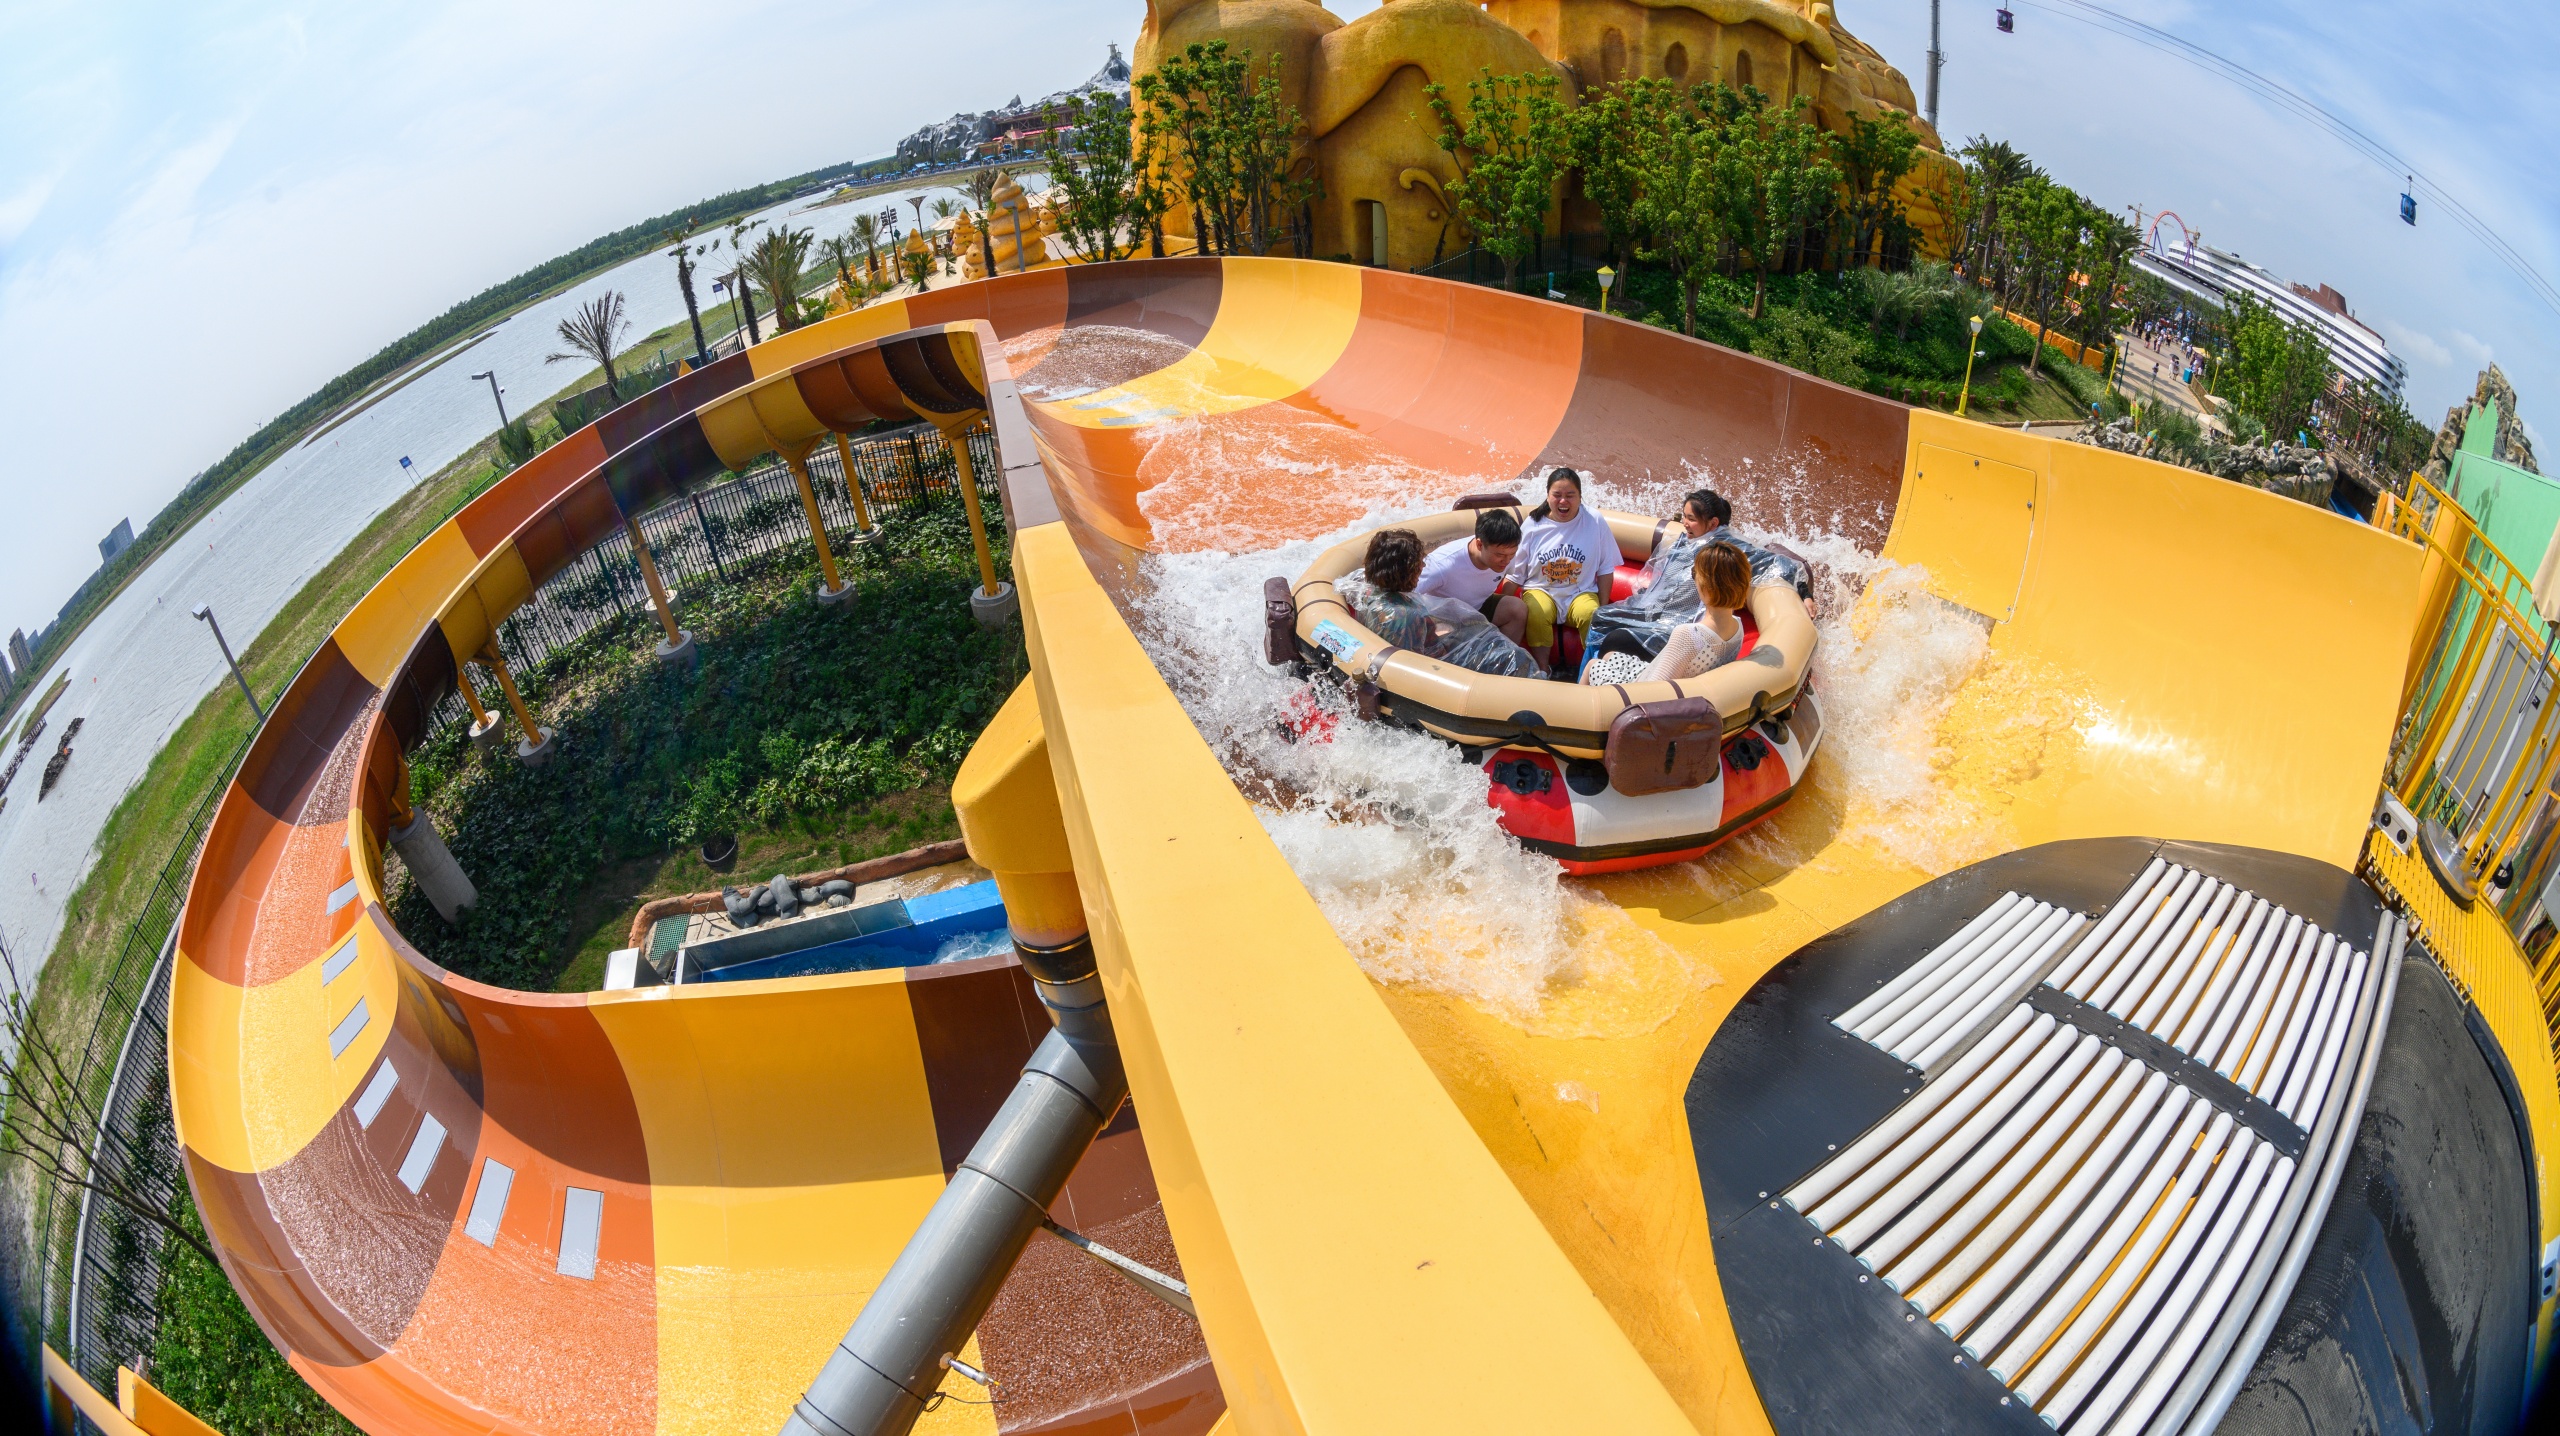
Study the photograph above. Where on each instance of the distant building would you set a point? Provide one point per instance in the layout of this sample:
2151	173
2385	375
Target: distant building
2201	271
21	657
8	683
118	539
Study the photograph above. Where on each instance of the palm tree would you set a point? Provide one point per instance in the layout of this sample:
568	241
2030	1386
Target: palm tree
683	254
982	191
866	230
775	263
840	253
595	332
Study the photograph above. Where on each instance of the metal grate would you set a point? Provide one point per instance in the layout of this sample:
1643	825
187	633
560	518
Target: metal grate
2131	1127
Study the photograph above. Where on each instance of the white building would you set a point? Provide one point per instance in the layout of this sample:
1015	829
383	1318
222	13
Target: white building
2213	275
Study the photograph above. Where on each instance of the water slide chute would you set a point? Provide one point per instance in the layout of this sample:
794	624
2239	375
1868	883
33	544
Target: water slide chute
1344	1168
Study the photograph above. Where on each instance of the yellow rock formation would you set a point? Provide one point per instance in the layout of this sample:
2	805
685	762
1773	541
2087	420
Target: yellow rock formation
1370	130
1010	214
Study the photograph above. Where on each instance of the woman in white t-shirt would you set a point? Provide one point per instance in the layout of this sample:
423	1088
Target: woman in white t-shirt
1564	549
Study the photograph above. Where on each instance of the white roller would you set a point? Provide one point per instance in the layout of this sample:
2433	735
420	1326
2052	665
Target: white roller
2134	941
2015	1210
2050	1128
2291	956
2328	1034
2246	954
1912	976
1935	1094
2363	972
2233	1025
2041	1354
2310	1024
2156	1363
1873	1026
2052	1288
1982	1314
2130	908
2209	935
2283	1030
1963	1011
2000	991
2001	1146
1936	1157
2168	961
1920	1012
2163	933
2149	1288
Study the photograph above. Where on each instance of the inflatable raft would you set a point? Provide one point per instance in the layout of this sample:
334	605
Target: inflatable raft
1600	778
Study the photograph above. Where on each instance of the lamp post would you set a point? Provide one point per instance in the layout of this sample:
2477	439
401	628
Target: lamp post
1607	277
495	393
205	611
1966	396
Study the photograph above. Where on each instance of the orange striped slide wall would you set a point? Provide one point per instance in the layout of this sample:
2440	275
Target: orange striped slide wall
696	1187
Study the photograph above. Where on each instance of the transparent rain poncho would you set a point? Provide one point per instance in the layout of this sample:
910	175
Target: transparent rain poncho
1669	597
1441	628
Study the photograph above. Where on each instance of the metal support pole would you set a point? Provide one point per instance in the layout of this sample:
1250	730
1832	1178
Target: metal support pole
994	602
679	645
834	588
484	728
853	485
1937	62
535	746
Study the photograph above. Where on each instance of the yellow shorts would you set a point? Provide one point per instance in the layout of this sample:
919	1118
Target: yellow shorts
1542	616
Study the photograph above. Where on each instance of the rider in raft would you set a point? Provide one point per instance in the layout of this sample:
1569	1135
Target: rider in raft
1564	549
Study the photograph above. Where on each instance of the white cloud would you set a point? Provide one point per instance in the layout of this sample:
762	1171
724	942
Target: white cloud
2413	344
2474	351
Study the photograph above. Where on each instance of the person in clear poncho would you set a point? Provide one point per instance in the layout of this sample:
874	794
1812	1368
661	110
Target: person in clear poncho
1642	623
1441	628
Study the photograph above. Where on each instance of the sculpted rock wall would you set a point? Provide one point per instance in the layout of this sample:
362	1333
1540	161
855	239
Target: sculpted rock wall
1370	130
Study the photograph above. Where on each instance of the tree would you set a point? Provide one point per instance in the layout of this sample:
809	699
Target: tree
2111	242
1510	150
982	193
2044	227
1677	175
2277	372
866	232
1991	166
49	1117
840	254
1774	176
739	229
683	254
1873	157
594	332
775	263
1228	144
1098	184
1608	137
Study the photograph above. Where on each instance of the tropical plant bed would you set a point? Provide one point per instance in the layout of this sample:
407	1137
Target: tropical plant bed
815	735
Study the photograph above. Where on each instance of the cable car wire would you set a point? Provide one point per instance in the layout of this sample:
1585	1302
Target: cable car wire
2293	101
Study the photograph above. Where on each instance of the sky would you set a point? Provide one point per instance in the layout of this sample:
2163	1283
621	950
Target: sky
208	210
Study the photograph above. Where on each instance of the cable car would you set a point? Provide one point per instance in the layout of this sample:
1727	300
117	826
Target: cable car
2008	22
2408	206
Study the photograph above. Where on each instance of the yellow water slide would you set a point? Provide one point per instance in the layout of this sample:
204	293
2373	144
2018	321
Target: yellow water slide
1398	1206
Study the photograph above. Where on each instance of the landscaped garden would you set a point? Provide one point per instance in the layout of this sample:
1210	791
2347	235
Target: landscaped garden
816	736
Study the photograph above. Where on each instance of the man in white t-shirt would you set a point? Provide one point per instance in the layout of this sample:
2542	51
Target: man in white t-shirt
1470	571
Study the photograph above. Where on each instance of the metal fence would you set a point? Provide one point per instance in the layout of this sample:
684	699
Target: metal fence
698	537
92	1270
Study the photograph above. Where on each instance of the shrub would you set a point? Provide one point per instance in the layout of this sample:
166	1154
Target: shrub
1801	340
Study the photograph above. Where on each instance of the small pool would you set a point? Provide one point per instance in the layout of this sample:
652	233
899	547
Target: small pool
953	925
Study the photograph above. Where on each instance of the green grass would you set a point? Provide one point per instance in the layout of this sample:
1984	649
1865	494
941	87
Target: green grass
817	735
44	705
211	1358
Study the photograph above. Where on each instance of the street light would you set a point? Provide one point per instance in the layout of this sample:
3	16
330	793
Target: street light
205	611
1966	397
495	393
1608	277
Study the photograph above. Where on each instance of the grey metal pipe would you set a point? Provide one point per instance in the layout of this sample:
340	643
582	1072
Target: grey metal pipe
881	1376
